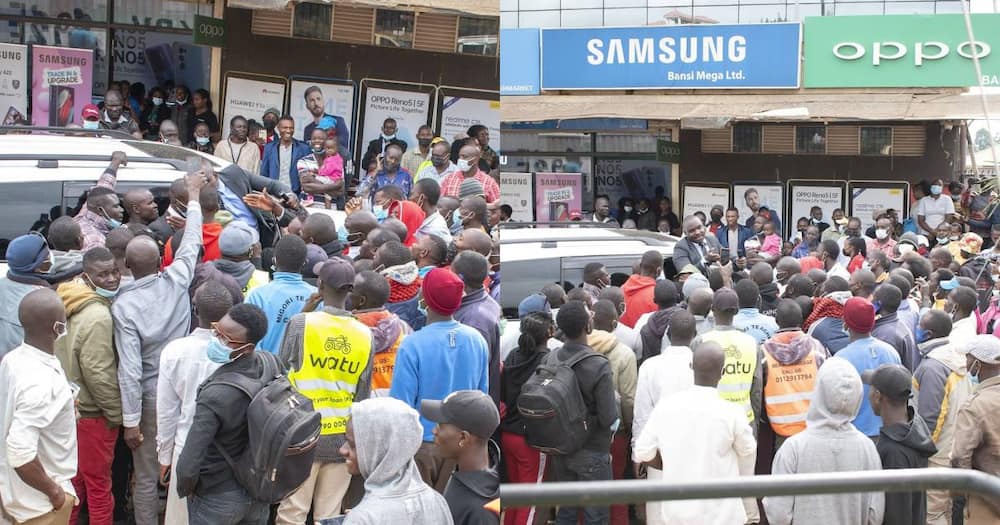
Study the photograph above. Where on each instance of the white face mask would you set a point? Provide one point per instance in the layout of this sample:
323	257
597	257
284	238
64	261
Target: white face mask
157	101
463	165
881	234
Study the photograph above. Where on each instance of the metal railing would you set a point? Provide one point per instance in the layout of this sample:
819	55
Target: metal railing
602	493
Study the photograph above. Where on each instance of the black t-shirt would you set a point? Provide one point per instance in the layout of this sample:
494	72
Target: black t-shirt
208	118
468	492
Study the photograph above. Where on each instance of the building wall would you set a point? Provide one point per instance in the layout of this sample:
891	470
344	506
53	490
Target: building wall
249	52
941	156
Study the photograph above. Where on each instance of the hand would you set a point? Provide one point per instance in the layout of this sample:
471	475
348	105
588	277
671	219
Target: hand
133	437
57	498
195	182
353	205
293	201
312	302
639	469
262	201
119	158
741	262
176	222
712	257
165	475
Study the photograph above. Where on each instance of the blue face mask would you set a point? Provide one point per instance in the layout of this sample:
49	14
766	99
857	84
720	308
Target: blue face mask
91	124
218	352
974	376
114	224
103	292
381	213
921	335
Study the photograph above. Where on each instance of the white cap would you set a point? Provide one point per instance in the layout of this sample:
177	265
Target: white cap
985	348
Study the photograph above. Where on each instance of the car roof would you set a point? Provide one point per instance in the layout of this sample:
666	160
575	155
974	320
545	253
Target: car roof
527	244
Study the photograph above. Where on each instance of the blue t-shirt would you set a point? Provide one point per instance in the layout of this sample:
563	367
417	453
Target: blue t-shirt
280	299
755	324
868	354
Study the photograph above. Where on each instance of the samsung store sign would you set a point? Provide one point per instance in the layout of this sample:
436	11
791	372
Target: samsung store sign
672	57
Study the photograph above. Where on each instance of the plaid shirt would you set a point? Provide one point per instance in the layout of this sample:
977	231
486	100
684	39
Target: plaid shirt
94	226
451	185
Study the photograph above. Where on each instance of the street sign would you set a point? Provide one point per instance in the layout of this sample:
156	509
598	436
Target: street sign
668	151
209	31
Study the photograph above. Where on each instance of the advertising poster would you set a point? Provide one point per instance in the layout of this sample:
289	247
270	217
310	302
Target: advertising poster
803	198
458	114
638	179
250	98
515	191
867	200
14	83
409	108
158	58
55	35
557	196
61	84
770	195
323	100
702	198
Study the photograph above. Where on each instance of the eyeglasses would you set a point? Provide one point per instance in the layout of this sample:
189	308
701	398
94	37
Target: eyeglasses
225	338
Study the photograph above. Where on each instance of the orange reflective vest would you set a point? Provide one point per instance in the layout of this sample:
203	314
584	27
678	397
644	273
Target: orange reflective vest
787	393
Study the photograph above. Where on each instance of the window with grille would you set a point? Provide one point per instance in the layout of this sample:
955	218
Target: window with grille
478	36
312	21
746	138
394	28
876	140
810	139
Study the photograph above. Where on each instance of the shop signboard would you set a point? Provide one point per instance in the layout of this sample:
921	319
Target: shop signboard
209	31
408	108
324	99
61	84
637	179
250	98
828	197
900	51
702	198
519	61
668	151
767	194
460	113
158	59
868	198
515	191
14	84
557	196
702	56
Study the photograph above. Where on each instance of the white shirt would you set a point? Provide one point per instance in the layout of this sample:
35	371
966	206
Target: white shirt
285	163
660	376
935	210
627	336
38	420
838	270
511	333
434	224
184	365
962	332
700	436
430	172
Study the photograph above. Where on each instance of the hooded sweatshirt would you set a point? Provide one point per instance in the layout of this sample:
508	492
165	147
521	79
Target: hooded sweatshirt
769	297
638	290
388	330
239	270
387	434
519	366
790	347
942	387
87	353
830	443
623	368
210	233
652	332
66	264
905	445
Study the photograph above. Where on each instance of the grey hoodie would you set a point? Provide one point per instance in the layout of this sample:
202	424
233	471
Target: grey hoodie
387	434
830	443
242	271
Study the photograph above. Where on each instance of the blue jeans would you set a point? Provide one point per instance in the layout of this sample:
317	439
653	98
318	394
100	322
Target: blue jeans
226	508
583	465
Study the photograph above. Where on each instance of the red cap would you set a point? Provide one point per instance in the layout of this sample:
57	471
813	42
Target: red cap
859	315
442	291
90	112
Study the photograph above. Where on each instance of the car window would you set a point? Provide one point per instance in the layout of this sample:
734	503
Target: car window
164	151
74	194
27	206
523	278
620	268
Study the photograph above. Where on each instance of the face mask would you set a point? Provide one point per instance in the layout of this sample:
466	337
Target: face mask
881	234
921	335
942	240
628	209
157	101
103	292
956	198
318	149
91	124
424	142
114	224
388	137
380	213
974	376
954	237
463	165
269	125
182	102
201	140
218	352
439	162
817	221
60	329
936	189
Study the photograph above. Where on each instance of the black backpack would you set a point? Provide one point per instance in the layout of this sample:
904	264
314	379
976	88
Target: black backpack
284	431
556	419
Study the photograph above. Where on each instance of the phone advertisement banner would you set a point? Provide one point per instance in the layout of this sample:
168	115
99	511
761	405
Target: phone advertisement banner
325	99
558	196
458	114
250	98
702	198
515	191
158	58
767	194
61	85
14	83
828	198
865	201
409	108
637	179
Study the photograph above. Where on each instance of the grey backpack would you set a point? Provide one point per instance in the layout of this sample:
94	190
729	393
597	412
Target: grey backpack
284	431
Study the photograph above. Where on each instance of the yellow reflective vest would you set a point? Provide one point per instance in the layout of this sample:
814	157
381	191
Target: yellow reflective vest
336	351
741	365
258	278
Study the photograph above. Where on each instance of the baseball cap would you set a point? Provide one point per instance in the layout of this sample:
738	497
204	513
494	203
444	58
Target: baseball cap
950	284
314	256
336	272
688	269
985	348
276	111
971	243
534	303
470	410
725	300
859	315
893	381
237	238
90	112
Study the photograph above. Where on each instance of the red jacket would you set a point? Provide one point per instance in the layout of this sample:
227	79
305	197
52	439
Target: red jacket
638	292
210	238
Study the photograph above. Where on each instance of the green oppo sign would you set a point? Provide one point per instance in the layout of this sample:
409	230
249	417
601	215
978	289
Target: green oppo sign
209	31
900	51
668	151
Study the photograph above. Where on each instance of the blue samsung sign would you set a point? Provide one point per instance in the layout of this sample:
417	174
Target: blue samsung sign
704	56
519	61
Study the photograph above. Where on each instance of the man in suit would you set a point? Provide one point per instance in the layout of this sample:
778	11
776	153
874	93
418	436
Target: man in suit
282	155
696	248
733	232
237	195
377	146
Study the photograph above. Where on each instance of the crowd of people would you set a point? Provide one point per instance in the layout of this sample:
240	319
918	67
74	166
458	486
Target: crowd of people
136	343
840	349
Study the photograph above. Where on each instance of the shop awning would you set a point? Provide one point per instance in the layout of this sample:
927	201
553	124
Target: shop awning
713	110
473	7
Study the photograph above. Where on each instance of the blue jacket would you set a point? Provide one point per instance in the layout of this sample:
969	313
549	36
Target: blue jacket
270	164
442	358
481	312
830	332
280	299
868	354
723	235
755	324
408	311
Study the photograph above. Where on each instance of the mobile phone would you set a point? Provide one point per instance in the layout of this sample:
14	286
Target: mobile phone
724	254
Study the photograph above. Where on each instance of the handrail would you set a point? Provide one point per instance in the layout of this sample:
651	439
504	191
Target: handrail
602	493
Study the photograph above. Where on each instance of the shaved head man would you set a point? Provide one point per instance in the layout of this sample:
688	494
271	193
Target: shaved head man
475	240
141	207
